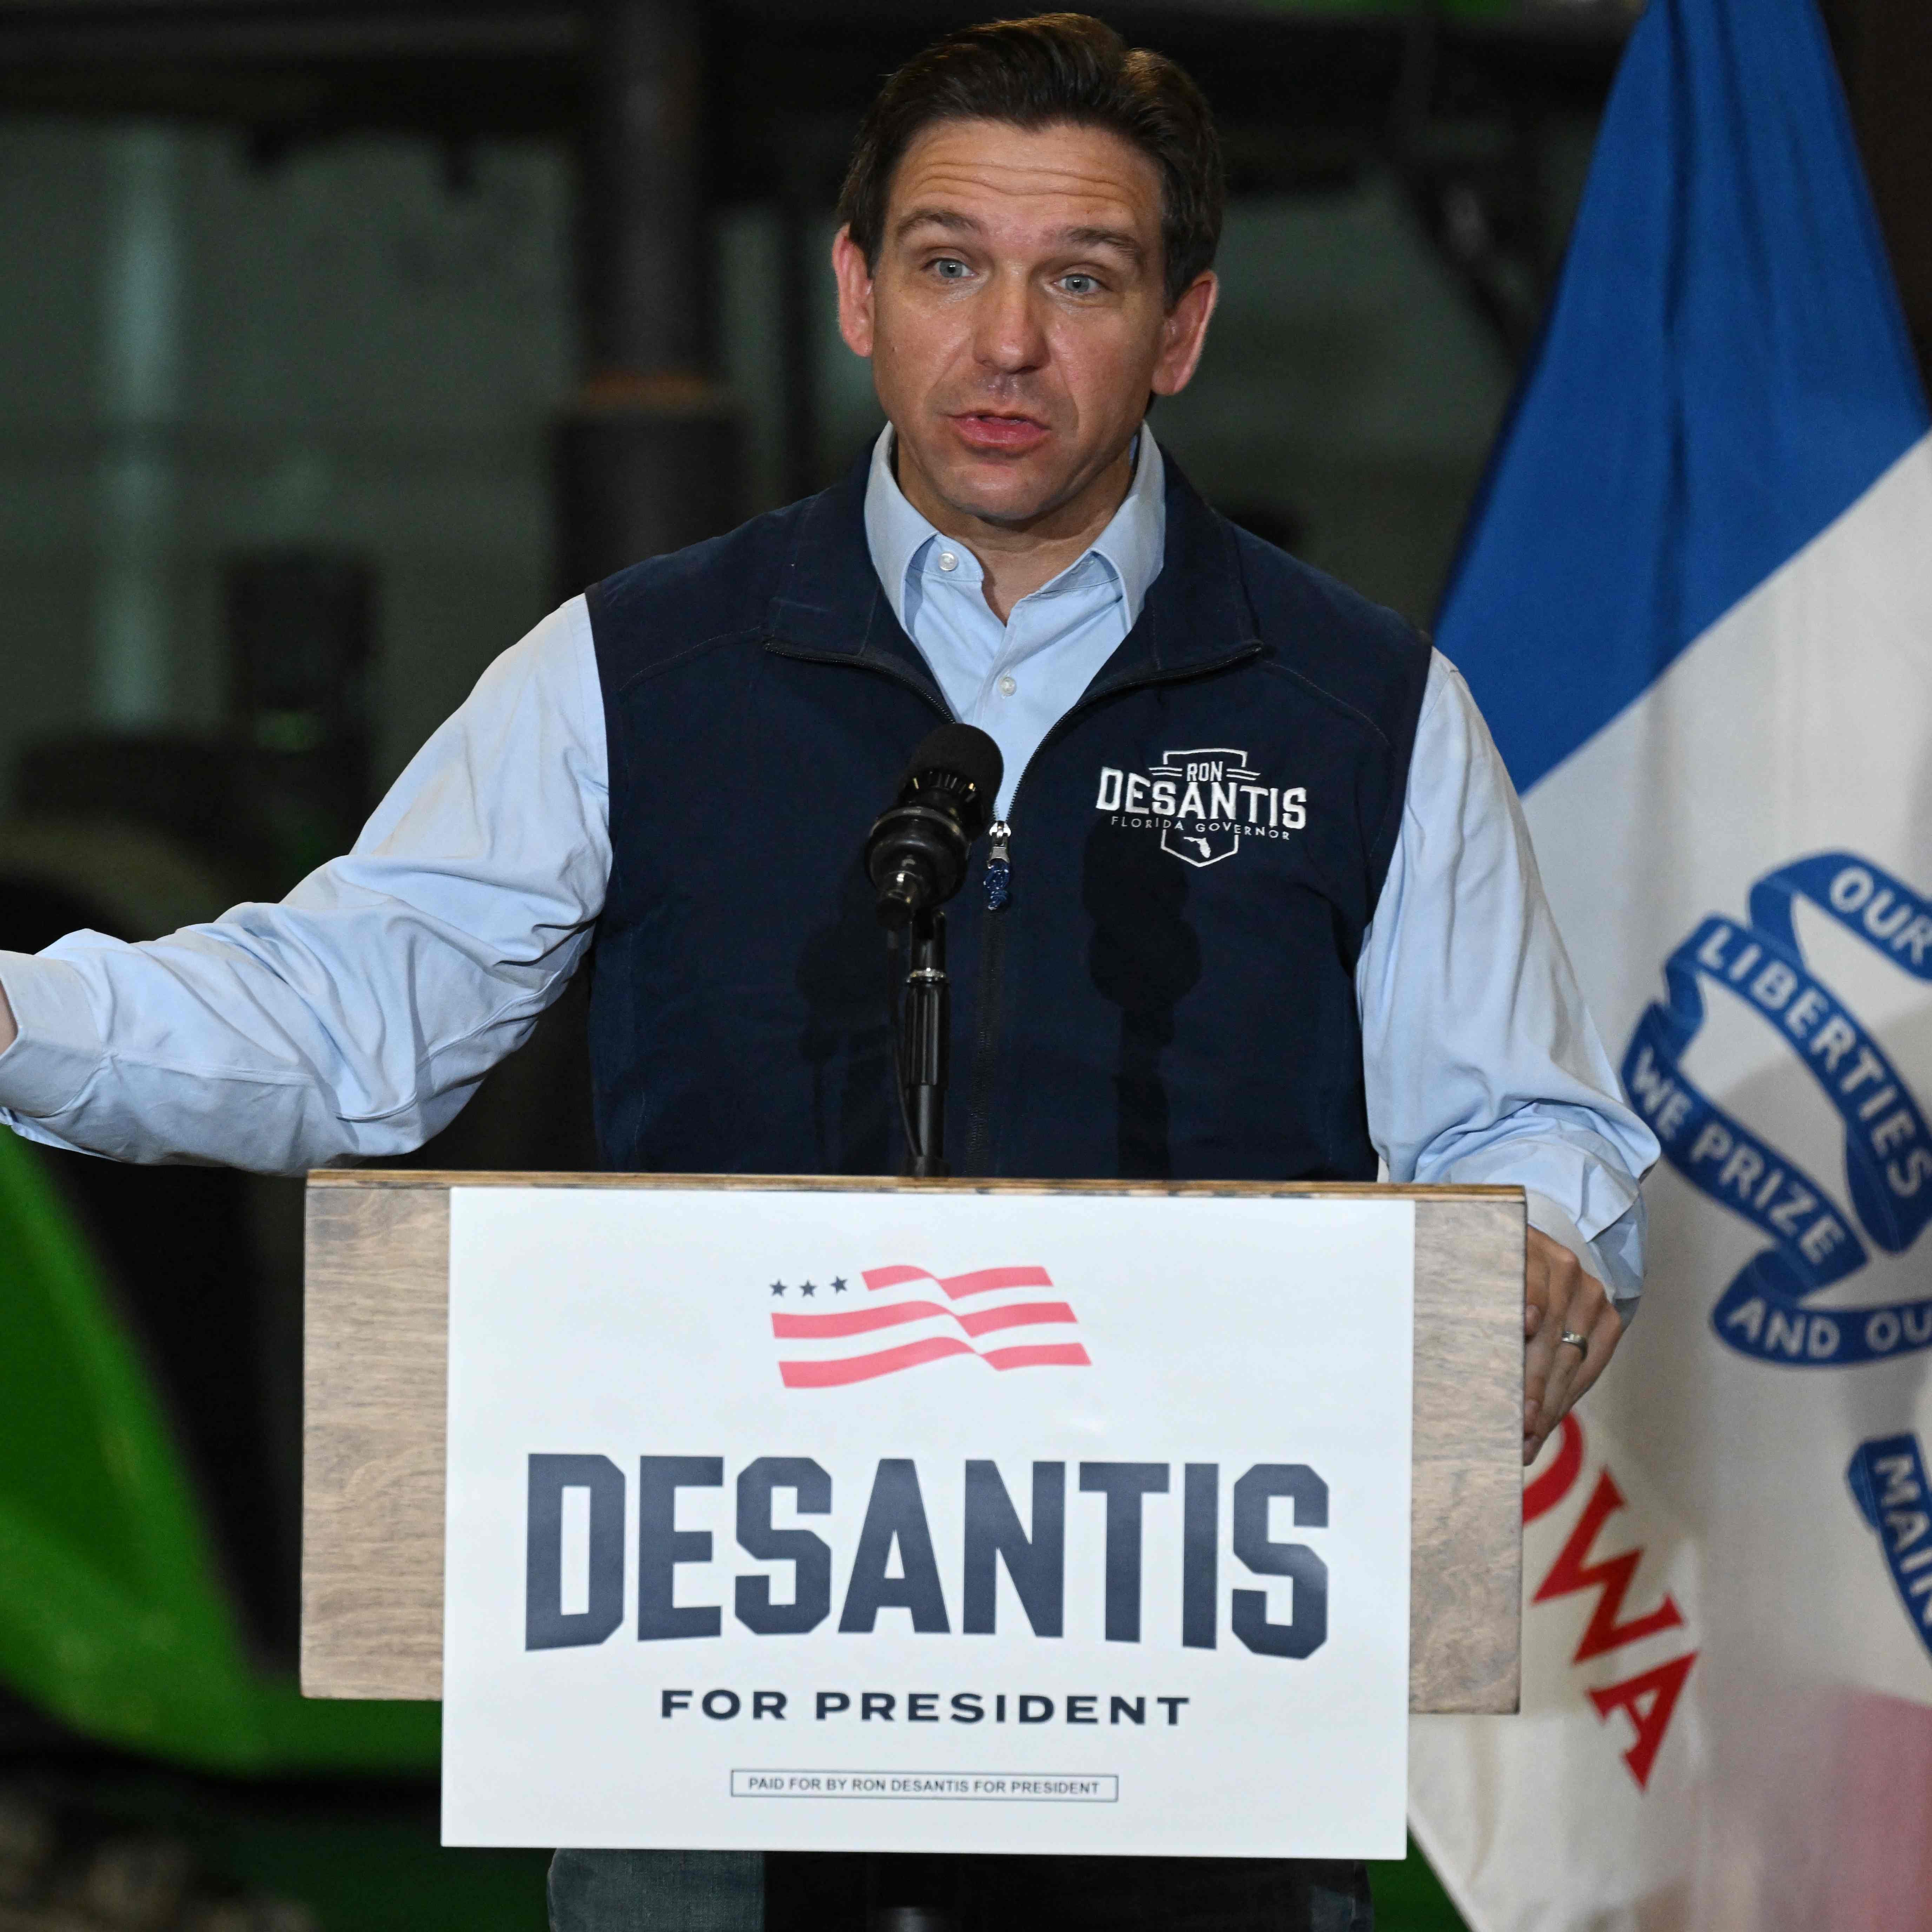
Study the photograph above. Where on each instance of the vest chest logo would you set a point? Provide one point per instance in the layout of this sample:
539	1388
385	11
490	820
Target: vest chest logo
1202	803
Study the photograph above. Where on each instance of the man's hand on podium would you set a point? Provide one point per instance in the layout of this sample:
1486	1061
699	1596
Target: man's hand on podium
1560	1299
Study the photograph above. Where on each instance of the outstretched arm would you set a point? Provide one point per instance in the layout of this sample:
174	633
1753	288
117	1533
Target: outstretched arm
355	1018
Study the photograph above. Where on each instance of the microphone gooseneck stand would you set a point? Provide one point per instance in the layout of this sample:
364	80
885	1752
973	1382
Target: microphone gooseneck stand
925	1042
917	856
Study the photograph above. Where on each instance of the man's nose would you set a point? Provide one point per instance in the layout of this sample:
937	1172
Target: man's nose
1009	334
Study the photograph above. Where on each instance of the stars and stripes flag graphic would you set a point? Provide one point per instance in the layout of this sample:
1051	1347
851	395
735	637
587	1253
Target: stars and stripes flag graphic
911	1316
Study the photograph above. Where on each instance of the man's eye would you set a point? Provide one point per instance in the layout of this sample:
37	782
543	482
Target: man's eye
1079	284
950	269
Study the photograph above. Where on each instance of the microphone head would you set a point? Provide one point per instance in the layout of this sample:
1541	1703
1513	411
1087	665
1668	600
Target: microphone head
917	852
961	765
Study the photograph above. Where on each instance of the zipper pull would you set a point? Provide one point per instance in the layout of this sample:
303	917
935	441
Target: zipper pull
999	865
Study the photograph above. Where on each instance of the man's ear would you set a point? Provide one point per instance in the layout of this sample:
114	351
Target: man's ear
1183	334
855	292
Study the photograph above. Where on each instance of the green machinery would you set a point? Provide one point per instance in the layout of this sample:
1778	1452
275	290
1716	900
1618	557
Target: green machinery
113	1618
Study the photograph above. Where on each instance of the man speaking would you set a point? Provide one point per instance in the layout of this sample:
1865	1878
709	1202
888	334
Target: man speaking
1267	910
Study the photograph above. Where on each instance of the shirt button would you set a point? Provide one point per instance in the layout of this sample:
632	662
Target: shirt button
948	561
1007	687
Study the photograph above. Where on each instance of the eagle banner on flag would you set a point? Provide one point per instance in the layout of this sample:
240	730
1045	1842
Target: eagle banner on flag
1696	606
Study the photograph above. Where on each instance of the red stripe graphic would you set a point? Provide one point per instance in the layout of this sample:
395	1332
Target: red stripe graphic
979	1282
1014	1315
831	1326
836	1371
863	1368
1040	1355
854	1320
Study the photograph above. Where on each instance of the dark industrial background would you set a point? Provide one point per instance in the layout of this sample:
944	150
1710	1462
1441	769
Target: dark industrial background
341	341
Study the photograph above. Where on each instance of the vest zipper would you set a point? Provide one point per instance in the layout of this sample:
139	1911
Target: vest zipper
999	865
998	885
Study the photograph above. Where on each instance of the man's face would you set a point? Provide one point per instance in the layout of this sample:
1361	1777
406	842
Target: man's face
1016	317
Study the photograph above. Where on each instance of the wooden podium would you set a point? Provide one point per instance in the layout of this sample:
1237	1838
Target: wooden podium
376	1338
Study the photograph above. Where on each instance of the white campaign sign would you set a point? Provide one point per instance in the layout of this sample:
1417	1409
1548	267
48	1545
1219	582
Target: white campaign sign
1013	1523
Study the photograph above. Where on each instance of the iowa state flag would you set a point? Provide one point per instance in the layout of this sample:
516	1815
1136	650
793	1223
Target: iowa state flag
1696	608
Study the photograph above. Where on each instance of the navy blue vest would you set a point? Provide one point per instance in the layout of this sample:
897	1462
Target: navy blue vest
1197	850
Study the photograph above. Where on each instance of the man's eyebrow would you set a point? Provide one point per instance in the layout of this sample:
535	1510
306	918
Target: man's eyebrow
949	218
1105	238
955	222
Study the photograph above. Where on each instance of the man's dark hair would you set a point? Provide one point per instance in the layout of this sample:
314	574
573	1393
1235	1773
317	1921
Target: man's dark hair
1034	73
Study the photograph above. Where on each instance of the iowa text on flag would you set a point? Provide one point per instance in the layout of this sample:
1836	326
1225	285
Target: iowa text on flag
901	1326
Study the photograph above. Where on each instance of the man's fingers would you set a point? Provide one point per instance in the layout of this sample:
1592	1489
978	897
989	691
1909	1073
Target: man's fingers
1560	1297
1581	1305
1550	1281
1605	1333
1566	1379
1592	1314
1535	1288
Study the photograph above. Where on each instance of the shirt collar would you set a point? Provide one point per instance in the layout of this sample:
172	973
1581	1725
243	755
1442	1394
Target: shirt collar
1132	545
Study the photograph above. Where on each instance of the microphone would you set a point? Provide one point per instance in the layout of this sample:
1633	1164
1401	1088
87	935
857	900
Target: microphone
917	852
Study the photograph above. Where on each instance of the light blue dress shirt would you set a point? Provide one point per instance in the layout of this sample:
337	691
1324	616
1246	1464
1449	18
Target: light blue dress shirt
1015	680
355	1018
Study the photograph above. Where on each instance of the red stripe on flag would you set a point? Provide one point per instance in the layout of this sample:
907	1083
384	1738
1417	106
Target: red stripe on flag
1038	1355
983	1280
882	1362
891	1277
1014	1315
855	1321
980	1281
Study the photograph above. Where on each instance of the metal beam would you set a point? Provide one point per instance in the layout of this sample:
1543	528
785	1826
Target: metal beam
1885	49
648	458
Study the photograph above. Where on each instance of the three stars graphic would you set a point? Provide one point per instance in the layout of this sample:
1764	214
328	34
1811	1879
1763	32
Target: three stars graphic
807	1289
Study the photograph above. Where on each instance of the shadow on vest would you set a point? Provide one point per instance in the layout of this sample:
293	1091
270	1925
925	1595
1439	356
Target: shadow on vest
1144	957
843	972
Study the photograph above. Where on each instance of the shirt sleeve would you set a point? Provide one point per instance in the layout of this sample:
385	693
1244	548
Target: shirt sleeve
356	1017
1482	1062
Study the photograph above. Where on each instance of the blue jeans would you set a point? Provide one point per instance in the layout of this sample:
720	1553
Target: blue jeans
728	1892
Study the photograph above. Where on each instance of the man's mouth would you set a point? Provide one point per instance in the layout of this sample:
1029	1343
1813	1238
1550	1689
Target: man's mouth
996	431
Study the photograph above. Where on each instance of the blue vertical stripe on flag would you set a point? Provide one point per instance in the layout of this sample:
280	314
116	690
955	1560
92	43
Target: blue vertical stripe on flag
1724	371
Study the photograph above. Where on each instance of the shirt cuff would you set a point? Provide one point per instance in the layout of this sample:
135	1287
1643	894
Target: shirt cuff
57	1047
1603	1258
